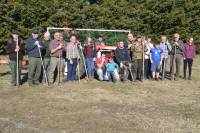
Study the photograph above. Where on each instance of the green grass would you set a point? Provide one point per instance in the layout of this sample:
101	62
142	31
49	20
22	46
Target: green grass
95	107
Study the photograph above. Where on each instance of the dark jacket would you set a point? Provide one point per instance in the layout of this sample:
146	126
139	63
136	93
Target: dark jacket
90	51
46	51
32	48
10	49
179	48
122	55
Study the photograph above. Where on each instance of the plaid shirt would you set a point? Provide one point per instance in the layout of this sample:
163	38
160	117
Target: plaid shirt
72	51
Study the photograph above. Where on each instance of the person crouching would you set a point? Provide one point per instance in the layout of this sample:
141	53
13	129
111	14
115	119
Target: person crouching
112	71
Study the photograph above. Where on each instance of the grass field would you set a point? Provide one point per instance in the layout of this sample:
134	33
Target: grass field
95	107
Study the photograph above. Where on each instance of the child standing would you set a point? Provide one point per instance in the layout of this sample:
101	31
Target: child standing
112	71
156	61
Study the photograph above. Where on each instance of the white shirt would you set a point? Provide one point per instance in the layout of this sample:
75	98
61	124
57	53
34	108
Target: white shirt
149	47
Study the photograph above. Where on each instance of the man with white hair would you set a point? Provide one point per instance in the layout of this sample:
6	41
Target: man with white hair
33	44
56	49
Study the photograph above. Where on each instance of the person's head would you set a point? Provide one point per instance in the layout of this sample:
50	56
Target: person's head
176	37
47	36
111	60
121	44
143	38
61	37
57	36
157	45
139	39
130	37
103	56
89	41
100	38
163	39
35	34
149	40
191	40
73	39
15	34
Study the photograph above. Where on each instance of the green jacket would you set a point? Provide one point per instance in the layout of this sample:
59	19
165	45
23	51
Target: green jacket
137	50
46	51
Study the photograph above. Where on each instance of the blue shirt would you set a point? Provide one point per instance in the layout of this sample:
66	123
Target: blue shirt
111	67
156	54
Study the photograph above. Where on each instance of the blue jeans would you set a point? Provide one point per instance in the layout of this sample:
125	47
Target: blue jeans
112	77
71	76
90	67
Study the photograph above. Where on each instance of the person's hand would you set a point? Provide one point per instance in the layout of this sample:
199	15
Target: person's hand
129	65
103	59
70	61
184	58
38	44
94	59
60	46
17	49
160	63
121	64
176	43
151	61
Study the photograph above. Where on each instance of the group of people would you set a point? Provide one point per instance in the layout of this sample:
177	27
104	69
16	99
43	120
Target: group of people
135	59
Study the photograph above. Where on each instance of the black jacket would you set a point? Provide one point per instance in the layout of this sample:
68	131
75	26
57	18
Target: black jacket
122	55
10	49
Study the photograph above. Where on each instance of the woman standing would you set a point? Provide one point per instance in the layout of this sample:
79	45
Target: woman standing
90	54
189	53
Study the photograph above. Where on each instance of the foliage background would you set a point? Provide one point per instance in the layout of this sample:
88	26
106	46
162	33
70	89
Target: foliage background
149	17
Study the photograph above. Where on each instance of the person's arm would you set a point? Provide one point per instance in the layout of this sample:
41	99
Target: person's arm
181	46
117	56
169	47
53	50
128	58
9	48
194	51
184	52
161	54
151	56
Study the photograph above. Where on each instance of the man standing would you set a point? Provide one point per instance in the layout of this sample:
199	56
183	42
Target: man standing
131	41
176	56
123	59
189	53
56	49
166	47
46	54
33	45
72	55
12	50
138	50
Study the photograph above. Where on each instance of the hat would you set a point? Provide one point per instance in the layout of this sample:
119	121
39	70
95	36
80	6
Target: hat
34	31
15	32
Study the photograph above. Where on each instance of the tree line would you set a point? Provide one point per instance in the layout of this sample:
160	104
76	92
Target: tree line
148	17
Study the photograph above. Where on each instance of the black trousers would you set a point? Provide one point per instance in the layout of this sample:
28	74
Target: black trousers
187	63
147	68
